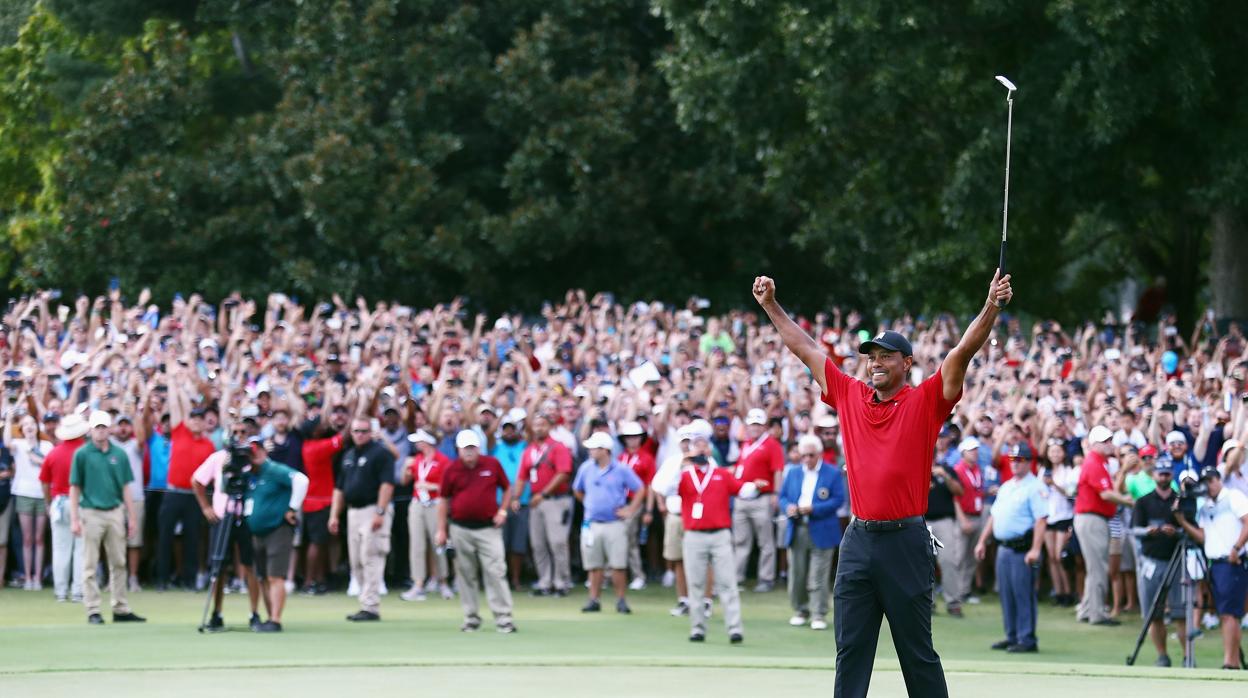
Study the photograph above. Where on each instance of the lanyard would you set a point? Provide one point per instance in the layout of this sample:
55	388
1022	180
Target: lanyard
536	455
749	450
423	468
701	486
631	460
976	477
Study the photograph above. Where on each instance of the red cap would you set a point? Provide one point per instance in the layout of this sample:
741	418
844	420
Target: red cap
1148	451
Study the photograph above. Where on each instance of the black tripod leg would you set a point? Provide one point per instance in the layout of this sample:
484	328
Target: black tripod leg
1156	606
216	555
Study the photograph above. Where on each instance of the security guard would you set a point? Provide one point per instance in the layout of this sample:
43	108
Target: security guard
364	483
1017	520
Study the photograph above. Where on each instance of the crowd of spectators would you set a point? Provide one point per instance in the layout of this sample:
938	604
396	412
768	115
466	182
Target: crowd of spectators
299	376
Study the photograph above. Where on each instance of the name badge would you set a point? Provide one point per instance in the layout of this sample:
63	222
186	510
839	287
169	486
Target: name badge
423	496
533	475
248	506
696	510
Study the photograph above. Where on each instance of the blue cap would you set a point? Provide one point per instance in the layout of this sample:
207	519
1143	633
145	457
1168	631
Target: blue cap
1164	466
1019	451
888	340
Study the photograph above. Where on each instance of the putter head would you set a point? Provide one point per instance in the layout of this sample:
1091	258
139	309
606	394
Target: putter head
1005	81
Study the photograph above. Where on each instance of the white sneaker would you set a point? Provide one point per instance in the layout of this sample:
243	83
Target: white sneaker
973	600
1210	621
133	585
290	586
353	589
797	621
383	591
818	624
1243	623
669	579
431	585
446	591
680	609
637	584
28	585
709	607
414	594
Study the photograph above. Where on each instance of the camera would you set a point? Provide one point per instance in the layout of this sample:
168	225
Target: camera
236	471
1190	488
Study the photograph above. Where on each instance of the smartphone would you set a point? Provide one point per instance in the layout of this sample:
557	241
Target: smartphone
114	284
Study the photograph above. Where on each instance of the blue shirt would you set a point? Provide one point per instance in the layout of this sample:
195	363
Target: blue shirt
509	456
158	446
1020	503
605	489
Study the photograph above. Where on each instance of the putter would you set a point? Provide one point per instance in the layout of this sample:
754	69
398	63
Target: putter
1005	208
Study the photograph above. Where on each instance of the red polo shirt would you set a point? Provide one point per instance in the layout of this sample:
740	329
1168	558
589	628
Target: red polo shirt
56	466
888	445
186	453
1093	480
474	491
540	462
715	498
318	464
428	470
642	465
760	460
972	479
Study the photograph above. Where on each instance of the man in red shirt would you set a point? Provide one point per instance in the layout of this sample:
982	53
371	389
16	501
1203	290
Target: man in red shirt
546	468
318	464
889	429
469	502
762	459
424	473
67	550
1096	502
189	447
641	462
970	510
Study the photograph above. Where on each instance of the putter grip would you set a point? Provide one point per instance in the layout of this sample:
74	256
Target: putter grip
1001	267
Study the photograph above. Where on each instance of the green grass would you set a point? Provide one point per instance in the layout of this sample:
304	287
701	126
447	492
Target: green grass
49	650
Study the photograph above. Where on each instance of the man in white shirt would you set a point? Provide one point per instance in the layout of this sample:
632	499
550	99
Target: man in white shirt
123	437
1222	525
1128	432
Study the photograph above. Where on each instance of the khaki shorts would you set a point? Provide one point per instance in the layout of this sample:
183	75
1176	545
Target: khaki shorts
29	505
136	541
1115	546
607	546
272	552
673	538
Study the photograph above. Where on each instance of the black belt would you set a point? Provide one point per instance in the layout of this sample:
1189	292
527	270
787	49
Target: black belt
1020	544
474	525
889	525
706	530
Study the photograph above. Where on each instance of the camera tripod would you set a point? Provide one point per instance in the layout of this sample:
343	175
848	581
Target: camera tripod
219	549
1176	568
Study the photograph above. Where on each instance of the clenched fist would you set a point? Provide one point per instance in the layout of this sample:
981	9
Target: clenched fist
999	291
764	290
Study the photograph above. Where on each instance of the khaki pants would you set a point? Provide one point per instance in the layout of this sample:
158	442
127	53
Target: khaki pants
422	525
966	561
946	531
712	550
107	527
367	550
136	541
1093	534
479	557
550	524
810	573
752	518
632	531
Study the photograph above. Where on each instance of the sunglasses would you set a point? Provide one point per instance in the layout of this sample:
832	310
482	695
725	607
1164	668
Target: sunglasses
360	431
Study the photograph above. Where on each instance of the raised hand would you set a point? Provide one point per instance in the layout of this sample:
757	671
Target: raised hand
764	290
999	291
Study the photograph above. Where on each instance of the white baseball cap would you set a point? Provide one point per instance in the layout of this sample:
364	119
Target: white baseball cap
631	429
700	429
827	421
467	438
1100	434
756	416
1228	446
970	443
1175	437
422	436
599	439
502	324
100	418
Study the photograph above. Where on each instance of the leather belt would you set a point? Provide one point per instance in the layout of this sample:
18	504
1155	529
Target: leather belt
888	525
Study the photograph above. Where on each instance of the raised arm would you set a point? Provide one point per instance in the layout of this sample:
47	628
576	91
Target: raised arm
953	370
801	344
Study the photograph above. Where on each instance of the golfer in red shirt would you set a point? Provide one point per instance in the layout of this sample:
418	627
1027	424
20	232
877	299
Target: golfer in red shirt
889	429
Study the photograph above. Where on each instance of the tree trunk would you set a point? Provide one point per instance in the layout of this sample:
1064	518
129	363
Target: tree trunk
1228	265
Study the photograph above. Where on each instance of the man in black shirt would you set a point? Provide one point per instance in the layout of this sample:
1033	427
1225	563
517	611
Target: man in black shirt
943	522
1153	523
364	482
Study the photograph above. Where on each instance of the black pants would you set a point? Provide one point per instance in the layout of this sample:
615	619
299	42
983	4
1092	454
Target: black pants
179	507
886	574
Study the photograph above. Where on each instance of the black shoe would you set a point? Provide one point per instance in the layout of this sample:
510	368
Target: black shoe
507	628
736	638
621	606
538	593
1002	645
697	637
1109	622
363	616
269	626
592	607
216	624
561	593
254	623
1020	649
471	625
162	586
321	589
95	619
128	617
955	612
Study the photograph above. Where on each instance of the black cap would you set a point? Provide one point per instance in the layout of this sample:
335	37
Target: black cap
198	412
1019	452
1210	471
892	341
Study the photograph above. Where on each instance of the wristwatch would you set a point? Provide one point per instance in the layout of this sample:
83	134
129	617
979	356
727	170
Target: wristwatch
381	511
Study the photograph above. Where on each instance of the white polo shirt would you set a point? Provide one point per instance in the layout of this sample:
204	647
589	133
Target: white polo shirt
1222	521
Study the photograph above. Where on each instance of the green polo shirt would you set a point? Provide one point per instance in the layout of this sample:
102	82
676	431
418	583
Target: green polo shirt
268	498
101	475
1142	482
